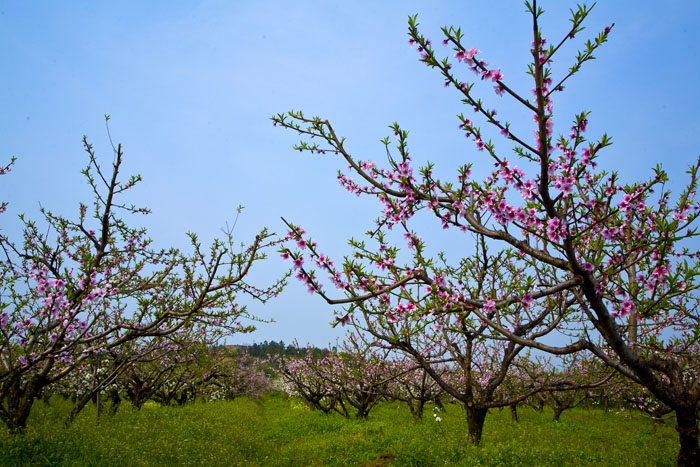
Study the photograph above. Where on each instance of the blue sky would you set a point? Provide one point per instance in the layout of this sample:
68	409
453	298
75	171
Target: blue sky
190	87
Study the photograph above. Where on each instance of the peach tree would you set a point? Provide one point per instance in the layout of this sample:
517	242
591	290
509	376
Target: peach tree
75	288
609	266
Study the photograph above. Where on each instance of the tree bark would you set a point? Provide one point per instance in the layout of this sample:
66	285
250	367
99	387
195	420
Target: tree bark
362	412
475	420
687	428
116	400
540	406
19	404
80	404
419	409
514	412
557	414
17	420
98	408
416	409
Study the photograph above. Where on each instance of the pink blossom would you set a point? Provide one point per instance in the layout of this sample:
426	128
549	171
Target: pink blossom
627	308
553	229
344	320
585	156
469	54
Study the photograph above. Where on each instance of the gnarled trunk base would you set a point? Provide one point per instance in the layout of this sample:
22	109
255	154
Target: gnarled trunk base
687	428
475	421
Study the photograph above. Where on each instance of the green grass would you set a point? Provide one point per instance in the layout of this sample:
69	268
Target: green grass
277	432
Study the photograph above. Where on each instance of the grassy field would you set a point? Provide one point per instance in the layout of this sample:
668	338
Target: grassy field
278	432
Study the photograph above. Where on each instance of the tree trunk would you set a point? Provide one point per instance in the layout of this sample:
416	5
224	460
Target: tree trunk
416	409
17	421
419	410
687	428
514	412
557	414
98	408
362	412
19	405
116	400
136	398
475	421
181	399
540	406
80	404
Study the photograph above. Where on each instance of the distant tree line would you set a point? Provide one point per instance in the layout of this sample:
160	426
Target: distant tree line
273	348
